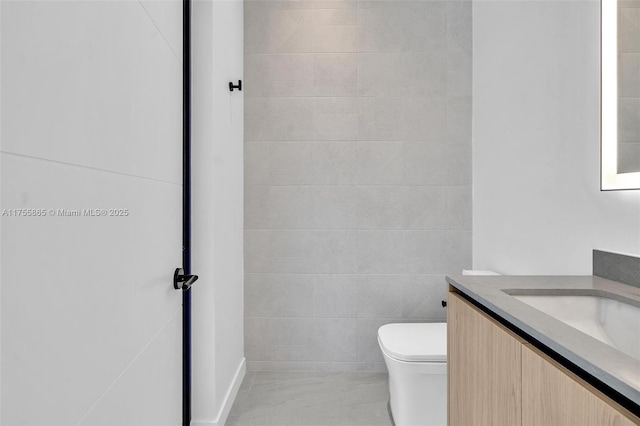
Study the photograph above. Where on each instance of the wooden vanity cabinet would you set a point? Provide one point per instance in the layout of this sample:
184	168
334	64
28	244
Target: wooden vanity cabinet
497	378
484	368
552	395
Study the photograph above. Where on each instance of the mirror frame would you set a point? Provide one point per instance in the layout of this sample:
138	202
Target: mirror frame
610	179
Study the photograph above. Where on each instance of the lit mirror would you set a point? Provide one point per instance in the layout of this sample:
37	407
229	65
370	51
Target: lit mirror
620	139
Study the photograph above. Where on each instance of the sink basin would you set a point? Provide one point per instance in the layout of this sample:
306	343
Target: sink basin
613	322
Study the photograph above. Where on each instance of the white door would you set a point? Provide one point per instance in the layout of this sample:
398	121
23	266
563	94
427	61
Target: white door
91	186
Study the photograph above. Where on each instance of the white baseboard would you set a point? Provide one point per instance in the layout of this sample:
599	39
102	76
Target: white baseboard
229	398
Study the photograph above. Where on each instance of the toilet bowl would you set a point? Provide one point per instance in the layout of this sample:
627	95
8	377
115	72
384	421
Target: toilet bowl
416	358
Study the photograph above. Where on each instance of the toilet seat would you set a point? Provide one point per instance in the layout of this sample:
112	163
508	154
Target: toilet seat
414	342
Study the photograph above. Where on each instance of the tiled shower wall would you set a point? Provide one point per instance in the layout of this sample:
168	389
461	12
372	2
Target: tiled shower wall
357	174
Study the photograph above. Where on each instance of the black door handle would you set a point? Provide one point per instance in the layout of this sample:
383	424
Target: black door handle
182	281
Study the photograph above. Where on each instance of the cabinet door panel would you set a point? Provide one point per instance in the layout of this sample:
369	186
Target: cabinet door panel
552	396
484	363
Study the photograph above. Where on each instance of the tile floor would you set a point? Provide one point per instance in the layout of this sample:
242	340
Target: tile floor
311	399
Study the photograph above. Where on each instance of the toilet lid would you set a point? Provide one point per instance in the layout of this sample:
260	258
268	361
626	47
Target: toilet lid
414	342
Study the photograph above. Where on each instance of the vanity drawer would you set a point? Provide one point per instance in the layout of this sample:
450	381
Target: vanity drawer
551	395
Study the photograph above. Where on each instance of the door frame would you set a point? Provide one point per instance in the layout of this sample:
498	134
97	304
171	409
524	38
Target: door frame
186	210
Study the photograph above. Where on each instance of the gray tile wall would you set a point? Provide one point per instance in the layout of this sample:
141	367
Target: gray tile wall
628	86
357	174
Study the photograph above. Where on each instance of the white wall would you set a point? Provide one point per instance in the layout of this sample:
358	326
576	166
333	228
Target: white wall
218	352
537	204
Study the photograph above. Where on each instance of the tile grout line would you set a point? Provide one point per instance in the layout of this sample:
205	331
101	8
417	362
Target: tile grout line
397	319
420	230
135	358
349	274
358	157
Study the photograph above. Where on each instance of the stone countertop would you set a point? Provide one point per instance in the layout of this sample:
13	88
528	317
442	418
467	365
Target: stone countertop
619	371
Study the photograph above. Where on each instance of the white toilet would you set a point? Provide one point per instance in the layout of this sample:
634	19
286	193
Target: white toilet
416	358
